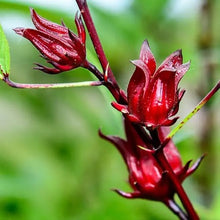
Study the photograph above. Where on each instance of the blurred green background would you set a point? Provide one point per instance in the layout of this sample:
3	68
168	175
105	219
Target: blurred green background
53	165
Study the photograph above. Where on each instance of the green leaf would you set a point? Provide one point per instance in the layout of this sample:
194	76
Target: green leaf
4	54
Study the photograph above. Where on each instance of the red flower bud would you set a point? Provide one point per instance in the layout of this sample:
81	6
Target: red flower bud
153	95
57	44
146	177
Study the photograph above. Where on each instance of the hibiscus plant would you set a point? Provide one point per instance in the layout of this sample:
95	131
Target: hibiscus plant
149	106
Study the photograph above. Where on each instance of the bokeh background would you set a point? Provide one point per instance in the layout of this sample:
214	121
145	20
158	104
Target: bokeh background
53	165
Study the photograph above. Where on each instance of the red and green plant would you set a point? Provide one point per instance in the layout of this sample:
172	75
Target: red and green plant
149	106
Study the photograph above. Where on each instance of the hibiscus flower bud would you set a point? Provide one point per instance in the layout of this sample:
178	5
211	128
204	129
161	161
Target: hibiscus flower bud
146	176
153	95
57	44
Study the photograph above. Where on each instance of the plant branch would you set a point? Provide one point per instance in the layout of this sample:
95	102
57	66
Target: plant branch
112	84
195	110
50	85
162	160
89	66
160	157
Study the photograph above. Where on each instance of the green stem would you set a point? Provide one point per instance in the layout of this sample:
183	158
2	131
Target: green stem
50	85
195	110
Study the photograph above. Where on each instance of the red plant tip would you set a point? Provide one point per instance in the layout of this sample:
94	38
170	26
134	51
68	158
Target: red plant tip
153	95
57	44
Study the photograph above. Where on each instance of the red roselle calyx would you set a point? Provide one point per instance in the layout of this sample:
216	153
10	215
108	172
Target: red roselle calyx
153	95
146	177
57	44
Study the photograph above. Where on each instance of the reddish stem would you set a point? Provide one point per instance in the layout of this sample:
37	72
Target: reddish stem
111	84
210	94
162	160
178	186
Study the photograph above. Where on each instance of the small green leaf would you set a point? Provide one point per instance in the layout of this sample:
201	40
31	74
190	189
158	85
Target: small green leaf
4	54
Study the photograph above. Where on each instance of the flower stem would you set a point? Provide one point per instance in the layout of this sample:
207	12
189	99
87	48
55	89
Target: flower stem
89	66
162	160
178	187
112	85
195	110
50	85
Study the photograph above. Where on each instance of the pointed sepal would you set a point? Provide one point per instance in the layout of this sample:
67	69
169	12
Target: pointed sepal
131	195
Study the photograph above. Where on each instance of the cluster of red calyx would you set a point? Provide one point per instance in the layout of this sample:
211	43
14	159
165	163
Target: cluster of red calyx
152	100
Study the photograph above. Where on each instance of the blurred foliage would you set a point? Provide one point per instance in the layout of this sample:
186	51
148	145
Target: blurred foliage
53	165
